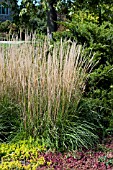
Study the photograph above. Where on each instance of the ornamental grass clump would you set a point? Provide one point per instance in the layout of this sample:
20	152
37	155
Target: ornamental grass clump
48	81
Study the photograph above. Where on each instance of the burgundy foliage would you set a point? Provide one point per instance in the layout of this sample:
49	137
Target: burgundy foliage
87	159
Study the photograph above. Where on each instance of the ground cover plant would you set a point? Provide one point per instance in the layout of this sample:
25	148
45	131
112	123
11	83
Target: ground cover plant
30	155
24	154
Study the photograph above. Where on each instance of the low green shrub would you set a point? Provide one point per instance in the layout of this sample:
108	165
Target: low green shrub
22	155
70	133
9	119
4	26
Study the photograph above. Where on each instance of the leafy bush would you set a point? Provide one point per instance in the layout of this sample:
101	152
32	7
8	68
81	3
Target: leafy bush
98	40
4	26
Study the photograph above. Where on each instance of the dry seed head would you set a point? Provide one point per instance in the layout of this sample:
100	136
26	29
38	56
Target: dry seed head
44	79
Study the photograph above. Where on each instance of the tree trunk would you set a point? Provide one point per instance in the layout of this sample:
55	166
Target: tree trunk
20	36
51	19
